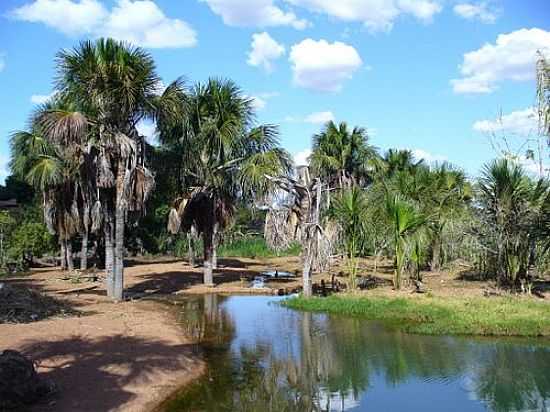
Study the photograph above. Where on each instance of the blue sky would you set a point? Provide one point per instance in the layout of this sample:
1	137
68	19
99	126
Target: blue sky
428	75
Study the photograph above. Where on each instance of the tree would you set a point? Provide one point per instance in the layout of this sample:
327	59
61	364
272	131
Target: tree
342	157
406	221
112	87
226	160
349	210
514	210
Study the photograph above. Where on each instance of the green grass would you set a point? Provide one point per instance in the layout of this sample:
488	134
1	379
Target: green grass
253	248
437	316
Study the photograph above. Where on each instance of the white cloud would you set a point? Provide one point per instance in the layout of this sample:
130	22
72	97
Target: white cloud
2	62
323	66
140	22
264	50
68	16
302	158
420	154
258	103
519	123
512	57
473	11
254	13
376	15
41	98
319	117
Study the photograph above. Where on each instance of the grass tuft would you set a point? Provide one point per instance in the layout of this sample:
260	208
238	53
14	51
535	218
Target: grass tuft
253	248
507	316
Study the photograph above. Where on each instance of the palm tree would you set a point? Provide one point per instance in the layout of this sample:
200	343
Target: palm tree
54	172
350	211
395	161
514	209
227	159
342	156
112	87
405	222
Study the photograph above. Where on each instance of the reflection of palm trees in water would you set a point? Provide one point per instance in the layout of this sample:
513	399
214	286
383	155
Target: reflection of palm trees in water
331	362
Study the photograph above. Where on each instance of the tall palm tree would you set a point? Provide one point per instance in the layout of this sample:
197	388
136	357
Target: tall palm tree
113	86
406	221
342	156
226	160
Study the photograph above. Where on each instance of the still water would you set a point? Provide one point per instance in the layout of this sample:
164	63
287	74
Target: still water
264	357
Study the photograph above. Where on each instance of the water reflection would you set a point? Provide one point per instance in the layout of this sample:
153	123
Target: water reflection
263	357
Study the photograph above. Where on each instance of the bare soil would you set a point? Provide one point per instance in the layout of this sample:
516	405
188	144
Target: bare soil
129	356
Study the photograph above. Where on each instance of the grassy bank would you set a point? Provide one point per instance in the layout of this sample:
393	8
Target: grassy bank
253	248
437	316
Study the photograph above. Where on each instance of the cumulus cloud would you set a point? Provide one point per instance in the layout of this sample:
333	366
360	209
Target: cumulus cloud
319	117
140	22
476	11
323	66
512	57
258	103
420	154
376	15
302	158
254	13
264	49
41	98
520	123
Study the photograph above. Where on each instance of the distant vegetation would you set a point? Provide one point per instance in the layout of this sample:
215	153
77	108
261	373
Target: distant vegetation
216	176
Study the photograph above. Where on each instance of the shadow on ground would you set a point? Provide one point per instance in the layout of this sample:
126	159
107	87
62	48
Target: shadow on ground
112	363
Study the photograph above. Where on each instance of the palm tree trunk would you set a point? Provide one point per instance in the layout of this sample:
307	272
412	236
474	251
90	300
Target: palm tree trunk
436	254
190	251
215	247
108	229
119	253
306	276
84	251
69	250
63	253
207	264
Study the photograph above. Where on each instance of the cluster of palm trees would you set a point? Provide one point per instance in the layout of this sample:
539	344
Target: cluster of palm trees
84	153
428	215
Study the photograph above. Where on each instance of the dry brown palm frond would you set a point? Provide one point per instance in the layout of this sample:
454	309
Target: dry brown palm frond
50	215
174	221
64	127
96	216
127	147
143	184
105	175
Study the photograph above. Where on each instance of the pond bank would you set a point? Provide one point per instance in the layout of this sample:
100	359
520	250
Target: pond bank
495	316
104	356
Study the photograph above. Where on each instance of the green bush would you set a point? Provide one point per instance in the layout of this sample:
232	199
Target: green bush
29	240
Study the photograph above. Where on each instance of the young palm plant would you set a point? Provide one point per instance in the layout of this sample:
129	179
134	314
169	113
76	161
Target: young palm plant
349	211
406	221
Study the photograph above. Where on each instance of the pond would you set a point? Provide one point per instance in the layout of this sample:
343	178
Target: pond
264	357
